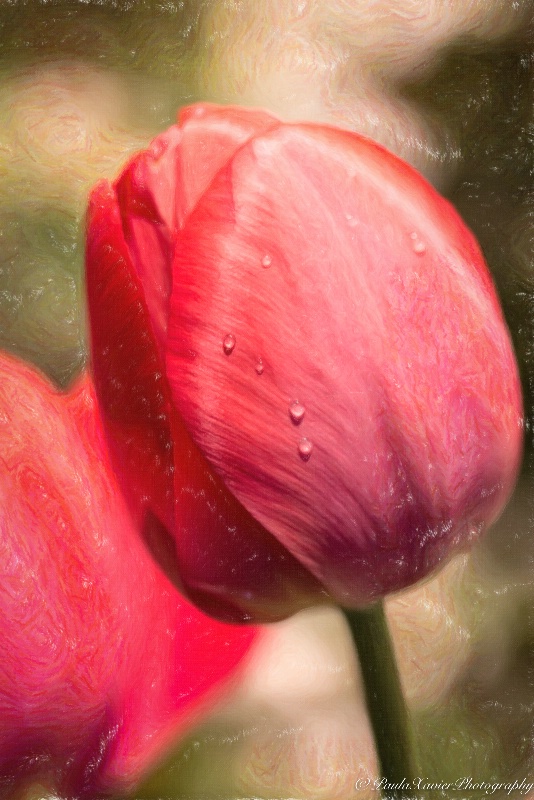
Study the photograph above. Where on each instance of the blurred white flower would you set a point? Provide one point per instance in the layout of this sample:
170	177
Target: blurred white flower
64	125
343	61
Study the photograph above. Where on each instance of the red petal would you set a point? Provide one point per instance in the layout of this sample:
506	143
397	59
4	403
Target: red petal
149	198
131	233
161	185
127	367
78	595
369	303
228	564
149	441
159	465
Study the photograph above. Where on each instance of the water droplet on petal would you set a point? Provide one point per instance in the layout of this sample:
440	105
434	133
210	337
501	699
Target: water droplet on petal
305	449
266	261
229	344
296	412
419	248
259	366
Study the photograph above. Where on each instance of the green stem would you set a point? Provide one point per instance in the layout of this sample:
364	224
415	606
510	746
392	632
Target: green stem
385	702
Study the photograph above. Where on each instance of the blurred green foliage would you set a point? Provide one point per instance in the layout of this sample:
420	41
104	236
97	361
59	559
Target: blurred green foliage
149	47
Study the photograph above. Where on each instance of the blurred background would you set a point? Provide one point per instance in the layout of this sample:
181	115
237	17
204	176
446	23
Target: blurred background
449	87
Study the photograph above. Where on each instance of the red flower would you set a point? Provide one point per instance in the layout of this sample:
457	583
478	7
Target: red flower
301	359
103	663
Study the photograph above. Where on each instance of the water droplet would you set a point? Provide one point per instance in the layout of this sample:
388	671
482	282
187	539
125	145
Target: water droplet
259	366
296	412
351	221
266	261
229	344
305	449
419	248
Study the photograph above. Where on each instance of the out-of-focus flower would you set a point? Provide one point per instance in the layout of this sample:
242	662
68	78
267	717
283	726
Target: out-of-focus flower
314	739
103	662
431	634
323	758
301	360
347	62
63	126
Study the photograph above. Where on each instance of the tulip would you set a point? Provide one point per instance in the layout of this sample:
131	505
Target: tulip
103	663
302	364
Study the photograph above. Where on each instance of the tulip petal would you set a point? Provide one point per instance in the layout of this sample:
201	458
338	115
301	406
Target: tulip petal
161	468
127	366
211	134
337	269
86	696
161	185
131	233
227	562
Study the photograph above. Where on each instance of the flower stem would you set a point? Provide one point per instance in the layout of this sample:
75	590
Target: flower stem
385	702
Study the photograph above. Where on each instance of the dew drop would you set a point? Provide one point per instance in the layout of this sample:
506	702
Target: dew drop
296	412
305	449
419	248
229	344
259	366
266	261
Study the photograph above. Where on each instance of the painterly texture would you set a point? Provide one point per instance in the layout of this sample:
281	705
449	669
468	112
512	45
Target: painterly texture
460	111
304	319
132	233
103	662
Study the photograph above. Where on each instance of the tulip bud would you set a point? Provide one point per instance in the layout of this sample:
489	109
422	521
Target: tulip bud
302	363
103	663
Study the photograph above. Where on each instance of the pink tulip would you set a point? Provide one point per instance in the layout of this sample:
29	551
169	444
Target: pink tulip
302	363
102	662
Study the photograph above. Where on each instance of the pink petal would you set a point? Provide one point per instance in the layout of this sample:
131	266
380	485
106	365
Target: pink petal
103	662
211	135
369	303
131	232
161	469
161	185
